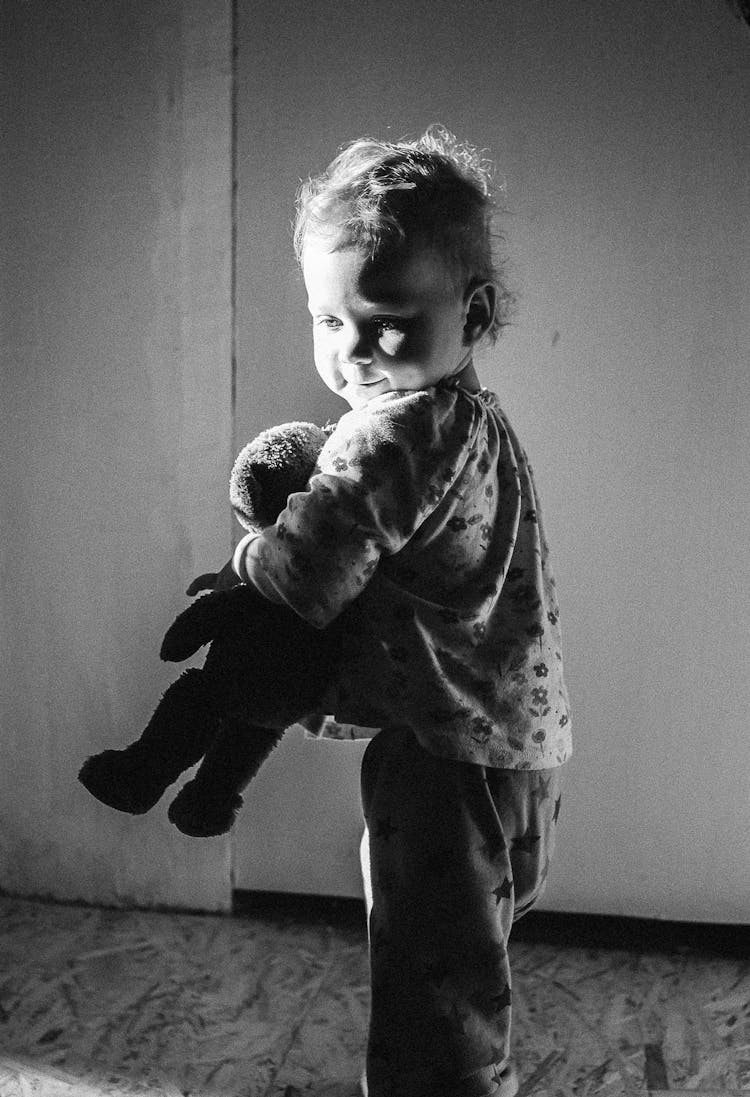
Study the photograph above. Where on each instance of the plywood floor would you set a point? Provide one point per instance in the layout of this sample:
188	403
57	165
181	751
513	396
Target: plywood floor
119	1003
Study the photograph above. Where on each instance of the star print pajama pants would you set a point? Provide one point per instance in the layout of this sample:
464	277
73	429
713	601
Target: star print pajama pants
457	853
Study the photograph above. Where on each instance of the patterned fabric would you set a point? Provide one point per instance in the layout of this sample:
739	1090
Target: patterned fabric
457	854
422	530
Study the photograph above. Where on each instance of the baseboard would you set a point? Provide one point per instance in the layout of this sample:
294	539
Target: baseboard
633	934
563	929
286	906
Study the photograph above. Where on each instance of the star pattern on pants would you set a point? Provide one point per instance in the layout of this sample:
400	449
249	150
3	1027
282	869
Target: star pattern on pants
541	793
500	1058
503	891
445	894
500	1074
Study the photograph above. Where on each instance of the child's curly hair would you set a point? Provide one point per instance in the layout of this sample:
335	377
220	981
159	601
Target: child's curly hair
383	197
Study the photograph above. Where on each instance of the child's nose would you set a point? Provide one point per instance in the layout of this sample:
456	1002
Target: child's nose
355	347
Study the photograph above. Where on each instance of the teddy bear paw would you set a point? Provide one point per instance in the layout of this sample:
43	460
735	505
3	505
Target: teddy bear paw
200	814
121	781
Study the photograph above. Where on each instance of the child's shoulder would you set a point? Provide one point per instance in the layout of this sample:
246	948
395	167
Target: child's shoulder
436	416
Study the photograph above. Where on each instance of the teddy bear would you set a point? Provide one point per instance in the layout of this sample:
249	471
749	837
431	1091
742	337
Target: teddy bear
265	668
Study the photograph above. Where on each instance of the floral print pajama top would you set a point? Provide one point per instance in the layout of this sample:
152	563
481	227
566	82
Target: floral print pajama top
421	529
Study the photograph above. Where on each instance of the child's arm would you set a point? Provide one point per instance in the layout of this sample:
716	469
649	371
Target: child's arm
379	477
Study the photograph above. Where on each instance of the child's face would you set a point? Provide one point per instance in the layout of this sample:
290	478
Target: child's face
386	327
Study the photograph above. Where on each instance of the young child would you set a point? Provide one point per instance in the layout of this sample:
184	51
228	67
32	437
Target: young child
422	532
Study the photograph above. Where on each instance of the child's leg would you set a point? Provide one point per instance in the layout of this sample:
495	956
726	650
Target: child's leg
456	853
364	860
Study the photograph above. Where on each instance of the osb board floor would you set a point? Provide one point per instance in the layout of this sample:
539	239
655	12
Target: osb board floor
102	1002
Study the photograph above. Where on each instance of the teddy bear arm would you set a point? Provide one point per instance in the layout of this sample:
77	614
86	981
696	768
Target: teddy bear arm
207	617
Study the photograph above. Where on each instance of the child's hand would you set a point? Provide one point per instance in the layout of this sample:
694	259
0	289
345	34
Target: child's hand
211	580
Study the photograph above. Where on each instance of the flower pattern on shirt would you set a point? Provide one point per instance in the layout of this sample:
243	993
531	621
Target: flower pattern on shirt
422	530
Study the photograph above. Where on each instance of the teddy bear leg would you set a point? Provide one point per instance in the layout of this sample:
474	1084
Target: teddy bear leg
175	738
208	805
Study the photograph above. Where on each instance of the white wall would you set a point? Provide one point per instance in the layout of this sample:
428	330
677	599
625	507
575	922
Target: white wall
622	132
115	434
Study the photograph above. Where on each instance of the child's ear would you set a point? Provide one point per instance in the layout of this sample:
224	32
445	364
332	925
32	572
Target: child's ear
480	311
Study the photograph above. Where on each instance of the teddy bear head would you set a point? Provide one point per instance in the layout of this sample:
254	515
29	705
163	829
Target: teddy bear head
276	463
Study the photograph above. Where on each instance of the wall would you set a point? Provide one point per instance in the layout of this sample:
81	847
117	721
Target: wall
622	134
115	434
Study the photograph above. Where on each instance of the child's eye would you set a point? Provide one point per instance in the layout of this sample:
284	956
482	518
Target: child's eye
391	328
391	334
384	324
328	322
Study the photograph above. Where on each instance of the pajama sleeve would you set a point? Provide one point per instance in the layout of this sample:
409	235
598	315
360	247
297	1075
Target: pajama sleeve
381	473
